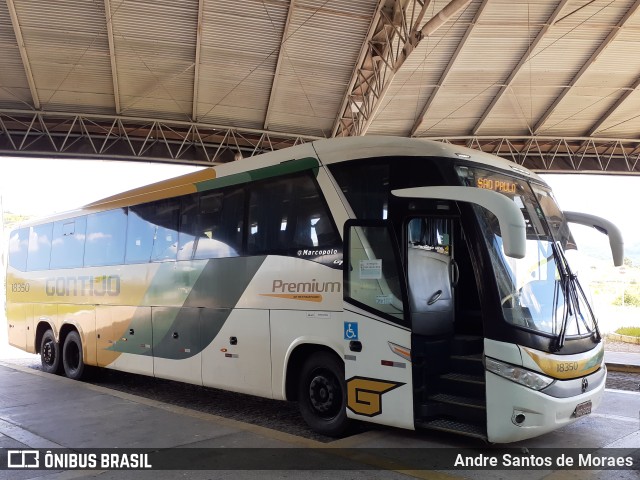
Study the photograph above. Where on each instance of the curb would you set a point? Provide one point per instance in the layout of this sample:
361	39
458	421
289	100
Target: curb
616	337
622	367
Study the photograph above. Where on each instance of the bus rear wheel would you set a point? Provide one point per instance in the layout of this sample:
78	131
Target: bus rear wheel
50	353
322	394
72	360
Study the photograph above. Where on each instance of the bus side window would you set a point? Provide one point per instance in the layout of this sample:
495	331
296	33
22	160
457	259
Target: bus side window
106	234
288	214
164	214
140	233
217	235
18	248
314	227
189	224
230	226
40	247
269	215
67	247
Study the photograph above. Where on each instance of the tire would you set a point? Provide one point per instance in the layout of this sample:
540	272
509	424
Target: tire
72	360
322	394
50	353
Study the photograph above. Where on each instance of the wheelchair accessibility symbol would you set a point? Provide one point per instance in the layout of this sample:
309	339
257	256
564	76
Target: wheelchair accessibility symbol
351	330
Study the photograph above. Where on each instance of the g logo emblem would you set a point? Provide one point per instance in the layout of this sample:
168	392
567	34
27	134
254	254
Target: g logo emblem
364	395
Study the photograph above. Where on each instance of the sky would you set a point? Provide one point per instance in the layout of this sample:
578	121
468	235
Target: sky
41	187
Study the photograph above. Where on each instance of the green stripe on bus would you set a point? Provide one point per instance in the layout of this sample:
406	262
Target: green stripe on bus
284	168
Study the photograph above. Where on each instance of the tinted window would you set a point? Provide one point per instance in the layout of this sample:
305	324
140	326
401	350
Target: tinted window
106	233
164	215
366	187
211	224
189	220
225	224
288	214
67	248
18	247
367	183
140	233
40	247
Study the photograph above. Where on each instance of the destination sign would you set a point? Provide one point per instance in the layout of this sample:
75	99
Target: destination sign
501	186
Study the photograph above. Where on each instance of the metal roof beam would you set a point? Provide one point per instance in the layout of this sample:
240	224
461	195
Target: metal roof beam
281	54
447	70
72	135
553	18
609	113
395	36
196	72
76	135
112	55
594	56
23	53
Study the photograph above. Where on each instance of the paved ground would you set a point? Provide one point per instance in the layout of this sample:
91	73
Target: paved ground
122	410
38	410
612	346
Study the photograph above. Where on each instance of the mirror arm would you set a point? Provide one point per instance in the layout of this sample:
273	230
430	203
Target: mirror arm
603	226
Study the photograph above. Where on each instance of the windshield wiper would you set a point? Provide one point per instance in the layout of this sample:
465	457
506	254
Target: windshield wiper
572	291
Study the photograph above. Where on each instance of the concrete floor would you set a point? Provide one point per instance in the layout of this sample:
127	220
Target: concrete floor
44	411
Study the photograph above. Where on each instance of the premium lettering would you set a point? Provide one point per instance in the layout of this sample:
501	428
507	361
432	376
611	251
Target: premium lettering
280	286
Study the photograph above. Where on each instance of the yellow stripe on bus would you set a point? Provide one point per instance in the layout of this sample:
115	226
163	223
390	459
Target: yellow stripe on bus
565	369
182	185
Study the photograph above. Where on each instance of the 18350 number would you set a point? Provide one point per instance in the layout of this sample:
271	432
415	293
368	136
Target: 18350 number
20	287
567	367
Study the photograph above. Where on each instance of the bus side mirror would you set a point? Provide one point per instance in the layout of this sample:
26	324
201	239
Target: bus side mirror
509	216
603	226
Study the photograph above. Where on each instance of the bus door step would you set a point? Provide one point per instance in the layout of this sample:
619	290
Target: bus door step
467	344
470	402
451	426
470	364
464	409
463	384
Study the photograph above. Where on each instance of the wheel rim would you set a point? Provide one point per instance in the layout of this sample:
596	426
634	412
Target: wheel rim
325	394
49	353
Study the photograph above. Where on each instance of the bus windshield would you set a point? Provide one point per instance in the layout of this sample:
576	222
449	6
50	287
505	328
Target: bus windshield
538	292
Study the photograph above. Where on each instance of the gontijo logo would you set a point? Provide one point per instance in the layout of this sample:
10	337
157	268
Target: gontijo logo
364	395
84	285
306	291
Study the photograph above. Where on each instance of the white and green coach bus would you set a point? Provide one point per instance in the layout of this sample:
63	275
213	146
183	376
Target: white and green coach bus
397	281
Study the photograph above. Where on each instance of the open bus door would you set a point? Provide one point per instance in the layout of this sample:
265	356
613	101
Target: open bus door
377	334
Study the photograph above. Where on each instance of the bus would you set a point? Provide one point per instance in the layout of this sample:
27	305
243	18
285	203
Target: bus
398	281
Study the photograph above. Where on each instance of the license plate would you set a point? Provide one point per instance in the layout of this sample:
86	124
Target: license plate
582	409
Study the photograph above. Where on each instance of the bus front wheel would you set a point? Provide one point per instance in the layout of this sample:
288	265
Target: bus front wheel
322	394
72	361
50	353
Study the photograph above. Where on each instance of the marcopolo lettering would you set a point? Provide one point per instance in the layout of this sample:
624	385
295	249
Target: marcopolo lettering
85	285
280	286
306	252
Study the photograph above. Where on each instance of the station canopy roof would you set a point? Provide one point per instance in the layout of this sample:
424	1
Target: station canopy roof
552	84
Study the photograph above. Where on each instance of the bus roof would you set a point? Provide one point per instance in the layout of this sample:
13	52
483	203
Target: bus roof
323	152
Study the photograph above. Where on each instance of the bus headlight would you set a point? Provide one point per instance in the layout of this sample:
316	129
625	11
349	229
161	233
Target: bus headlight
519	375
